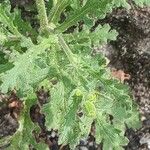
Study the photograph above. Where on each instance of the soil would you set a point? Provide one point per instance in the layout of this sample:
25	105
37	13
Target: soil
130	53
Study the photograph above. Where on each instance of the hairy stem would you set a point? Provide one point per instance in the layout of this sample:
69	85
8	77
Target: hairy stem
72	58
42	14
67	50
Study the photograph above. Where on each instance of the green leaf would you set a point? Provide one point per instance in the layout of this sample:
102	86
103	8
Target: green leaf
111	136
2	58
80	13
90	109
25	72
85	125
54	110
5	67
142	3
121	3
6	18
3	38
104	103
70	131
57	10
23	27
24	137
82	42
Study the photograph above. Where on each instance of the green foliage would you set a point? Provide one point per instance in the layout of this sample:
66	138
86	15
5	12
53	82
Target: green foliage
24	137
29	61
141	3
84	84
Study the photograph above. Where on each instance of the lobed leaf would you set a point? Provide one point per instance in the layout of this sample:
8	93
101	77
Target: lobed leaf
25	72
23	138
80	13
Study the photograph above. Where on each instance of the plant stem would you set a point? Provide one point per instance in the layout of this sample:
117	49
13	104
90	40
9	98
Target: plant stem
67	50
54	2
42	14
71	57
